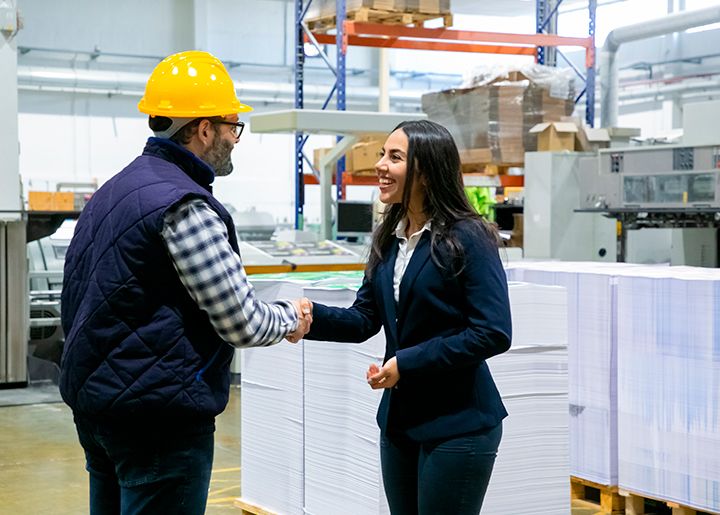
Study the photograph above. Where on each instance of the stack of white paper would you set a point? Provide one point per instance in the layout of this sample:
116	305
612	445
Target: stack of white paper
334	414
669	385
272	417
533	381
342	467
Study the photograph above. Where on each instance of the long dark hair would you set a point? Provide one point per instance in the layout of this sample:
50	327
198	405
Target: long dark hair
433	156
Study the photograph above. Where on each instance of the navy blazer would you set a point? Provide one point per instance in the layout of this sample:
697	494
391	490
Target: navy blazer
443	330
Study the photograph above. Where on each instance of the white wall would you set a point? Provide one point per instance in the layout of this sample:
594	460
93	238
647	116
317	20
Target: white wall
68	137
156	27
78	137
81	148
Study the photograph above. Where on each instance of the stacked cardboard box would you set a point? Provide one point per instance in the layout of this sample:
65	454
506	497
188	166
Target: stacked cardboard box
361	158
320	8
364	156
498	114
569	134
428	6
51	201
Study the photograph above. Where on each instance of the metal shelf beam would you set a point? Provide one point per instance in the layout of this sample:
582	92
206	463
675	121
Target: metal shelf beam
349	124
378	29
428	45
318	121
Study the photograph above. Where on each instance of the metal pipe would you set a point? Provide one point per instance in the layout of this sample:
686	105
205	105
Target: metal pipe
67	81
383	81
672	89
658	27
127	83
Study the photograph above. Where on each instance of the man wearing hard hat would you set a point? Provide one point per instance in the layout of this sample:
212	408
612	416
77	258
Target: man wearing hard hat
155	297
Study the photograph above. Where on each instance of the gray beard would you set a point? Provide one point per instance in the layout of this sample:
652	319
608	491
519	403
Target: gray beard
226	169
218	157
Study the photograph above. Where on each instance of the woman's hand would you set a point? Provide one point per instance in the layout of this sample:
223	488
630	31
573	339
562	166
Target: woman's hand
385	377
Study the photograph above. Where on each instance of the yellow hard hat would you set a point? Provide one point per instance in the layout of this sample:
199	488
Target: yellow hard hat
190	84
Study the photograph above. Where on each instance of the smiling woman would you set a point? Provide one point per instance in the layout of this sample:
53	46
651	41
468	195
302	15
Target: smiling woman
434	281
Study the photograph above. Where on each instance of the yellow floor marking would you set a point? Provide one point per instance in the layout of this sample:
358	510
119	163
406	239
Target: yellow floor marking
221	490
233	469
221	500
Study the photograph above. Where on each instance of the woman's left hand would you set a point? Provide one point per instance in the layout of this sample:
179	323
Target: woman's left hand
386	377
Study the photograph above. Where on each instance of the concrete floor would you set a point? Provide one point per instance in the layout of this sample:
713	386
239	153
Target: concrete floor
42	467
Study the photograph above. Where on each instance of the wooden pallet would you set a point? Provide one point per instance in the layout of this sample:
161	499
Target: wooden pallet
489	168
365	14
250	509
480	160
606	498
640	504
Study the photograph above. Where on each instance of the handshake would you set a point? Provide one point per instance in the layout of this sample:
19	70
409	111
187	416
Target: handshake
386	376
304	310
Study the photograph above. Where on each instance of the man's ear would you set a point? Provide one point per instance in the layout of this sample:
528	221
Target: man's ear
205	132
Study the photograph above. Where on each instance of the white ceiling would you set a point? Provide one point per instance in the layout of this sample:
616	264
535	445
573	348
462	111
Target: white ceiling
505	7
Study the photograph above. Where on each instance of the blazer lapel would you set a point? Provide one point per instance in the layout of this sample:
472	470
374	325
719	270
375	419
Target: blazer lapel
420	256
385	277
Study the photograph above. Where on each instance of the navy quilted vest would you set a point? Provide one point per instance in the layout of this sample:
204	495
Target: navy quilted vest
137	346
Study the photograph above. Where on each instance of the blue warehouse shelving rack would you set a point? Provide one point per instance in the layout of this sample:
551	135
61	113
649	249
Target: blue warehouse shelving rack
350	32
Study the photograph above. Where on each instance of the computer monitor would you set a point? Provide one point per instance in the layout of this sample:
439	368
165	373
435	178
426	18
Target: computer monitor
354	218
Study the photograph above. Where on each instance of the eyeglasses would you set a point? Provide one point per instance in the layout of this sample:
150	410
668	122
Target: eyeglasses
237	127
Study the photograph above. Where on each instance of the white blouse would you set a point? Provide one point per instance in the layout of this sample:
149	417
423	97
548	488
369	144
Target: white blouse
405	252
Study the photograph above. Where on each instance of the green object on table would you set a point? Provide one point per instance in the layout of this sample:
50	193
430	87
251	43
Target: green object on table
482	198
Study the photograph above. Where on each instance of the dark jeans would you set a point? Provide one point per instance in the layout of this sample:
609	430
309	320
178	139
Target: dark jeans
446	477
151	473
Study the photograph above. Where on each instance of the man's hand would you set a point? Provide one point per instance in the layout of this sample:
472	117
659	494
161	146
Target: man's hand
304	311
385	377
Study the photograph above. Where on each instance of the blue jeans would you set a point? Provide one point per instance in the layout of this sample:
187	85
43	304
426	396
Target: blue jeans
446	477
147	473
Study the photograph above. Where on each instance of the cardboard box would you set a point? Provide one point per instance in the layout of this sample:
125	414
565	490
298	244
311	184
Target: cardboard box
51	201
476	156
498	115
364	156
555	136
517	234
591	140
428	6
597	138
320	8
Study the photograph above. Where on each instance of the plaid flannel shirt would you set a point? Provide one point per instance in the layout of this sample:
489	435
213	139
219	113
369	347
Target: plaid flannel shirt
213	274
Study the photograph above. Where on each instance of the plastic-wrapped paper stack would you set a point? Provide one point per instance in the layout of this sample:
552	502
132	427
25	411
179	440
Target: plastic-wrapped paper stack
533	380
669	385
644	351
320	8
337	411
496	108
592	356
